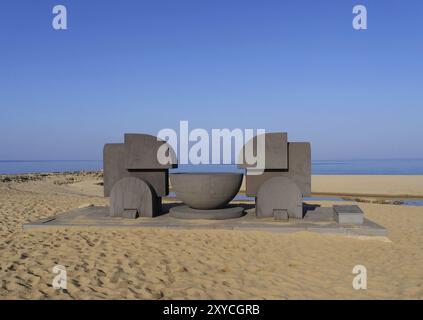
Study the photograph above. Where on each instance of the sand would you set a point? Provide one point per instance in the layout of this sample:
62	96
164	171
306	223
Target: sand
365	186
164	264
368	186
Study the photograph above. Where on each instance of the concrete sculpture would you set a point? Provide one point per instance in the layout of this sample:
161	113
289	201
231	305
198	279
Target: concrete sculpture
206	195
290	163
131	197
136	178
279	194
136	158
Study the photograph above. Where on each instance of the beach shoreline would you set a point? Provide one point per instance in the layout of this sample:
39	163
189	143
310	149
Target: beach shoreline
344	186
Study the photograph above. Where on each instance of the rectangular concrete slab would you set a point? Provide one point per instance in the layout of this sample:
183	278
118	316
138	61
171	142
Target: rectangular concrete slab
300	166
348	214
349	219
276	151
347	209
299	170
114	170
368	228
141	152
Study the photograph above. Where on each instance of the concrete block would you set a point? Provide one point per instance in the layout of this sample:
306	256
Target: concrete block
320	214
276	151
300	166
279	214
141	152
130	213
299	170
114	170
279	193
158	180
133	194
253	182
348	214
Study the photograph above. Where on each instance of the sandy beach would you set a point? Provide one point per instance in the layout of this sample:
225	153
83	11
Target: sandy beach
206	264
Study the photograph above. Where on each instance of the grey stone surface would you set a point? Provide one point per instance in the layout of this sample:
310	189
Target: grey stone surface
253	182
158	180
141	152
348	214
319	214
114	170
276	151
279	193
98	217
368	228
133	194
206	190
299	170
347	209
185	212
300	166
349	218
279	214
130	213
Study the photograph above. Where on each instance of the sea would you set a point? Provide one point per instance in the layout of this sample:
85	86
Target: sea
319	167
323	167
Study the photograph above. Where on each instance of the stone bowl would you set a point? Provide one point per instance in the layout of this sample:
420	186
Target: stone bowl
206	191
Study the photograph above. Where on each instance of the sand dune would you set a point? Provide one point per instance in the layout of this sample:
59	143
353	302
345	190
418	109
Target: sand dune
165	264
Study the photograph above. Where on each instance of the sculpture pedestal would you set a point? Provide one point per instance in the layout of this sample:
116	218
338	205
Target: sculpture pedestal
185	212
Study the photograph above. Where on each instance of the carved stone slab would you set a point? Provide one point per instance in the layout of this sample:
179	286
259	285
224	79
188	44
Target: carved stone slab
114	170
276	151
141	152
279	193
132	194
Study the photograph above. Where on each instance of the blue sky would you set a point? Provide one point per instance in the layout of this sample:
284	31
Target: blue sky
140	66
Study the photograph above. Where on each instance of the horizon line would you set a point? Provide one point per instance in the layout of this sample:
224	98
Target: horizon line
96	160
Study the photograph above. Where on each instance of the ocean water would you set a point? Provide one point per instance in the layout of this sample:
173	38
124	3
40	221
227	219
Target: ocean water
24	166
380	166
327	167
375	166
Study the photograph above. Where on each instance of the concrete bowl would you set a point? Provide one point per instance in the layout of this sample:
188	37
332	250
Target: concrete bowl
206	190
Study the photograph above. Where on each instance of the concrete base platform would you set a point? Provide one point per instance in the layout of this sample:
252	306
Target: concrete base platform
350	214
185	212
317	219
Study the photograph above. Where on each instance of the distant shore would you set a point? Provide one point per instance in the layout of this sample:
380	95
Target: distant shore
351	186
318	167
